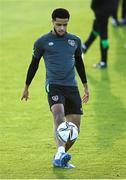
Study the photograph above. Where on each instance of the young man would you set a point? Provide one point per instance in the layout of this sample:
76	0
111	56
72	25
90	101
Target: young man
62	53
103	9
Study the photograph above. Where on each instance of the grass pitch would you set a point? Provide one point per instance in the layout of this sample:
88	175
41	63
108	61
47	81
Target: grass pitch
26	128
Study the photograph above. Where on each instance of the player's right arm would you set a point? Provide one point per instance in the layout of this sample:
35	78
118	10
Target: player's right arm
30	75
37	54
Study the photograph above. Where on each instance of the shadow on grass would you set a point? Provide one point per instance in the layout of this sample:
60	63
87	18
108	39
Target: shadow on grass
119	35
109	110
62	173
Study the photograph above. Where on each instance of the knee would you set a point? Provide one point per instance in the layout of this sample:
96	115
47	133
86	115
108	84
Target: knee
58	117
58	114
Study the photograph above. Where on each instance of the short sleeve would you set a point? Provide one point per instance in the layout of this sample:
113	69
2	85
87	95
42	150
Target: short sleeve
37	50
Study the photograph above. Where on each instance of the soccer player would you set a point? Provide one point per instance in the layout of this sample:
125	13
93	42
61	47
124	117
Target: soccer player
102	9
61	52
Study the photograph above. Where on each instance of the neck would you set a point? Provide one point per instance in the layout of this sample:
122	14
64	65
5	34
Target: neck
55	33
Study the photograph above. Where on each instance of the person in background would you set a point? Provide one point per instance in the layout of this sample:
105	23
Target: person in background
102	9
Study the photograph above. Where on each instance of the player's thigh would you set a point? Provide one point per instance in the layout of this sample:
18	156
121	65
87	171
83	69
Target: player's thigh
95	26
56	101
102	23
73	103
55	95
58	111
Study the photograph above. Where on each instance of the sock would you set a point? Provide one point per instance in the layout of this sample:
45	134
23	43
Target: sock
61	149
104	45
104	55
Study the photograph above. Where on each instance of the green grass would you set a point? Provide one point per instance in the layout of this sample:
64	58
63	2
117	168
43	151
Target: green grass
26	128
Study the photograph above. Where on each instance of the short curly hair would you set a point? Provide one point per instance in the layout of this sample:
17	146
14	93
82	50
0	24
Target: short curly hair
60	13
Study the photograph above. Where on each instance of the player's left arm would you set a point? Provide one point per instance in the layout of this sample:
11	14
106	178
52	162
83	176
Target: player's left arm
80	67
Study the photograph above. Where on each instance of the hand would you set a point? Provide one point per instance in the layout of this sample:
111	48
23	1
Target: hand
85	98
25	94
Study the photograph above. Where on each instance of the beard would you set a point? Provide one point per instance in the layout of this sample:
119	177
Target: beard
59	34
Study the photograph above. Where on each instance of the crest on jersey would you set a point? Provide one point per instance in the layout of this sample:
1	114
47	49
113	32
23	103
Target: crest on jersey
50	43
71	42
55	98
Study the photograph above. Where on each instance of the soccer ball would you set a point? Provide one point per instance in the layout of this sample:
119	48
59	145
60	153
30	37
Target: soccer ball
67	131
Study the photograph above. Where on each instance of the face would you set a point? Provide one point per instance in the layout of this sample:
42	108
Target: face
60	26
